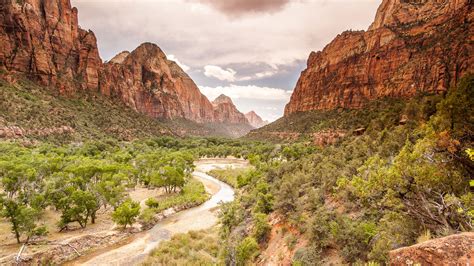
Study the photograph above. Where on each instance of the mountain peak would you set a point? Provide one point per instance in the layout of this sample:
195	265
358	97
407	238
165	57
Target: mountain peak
361	66
120	57
222	99
255	120
149	49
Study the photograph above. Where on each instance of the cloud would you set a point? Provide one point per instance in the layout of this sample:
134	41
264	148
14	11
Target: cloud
200	33
235	8
183	66
220	73
247	92
266	74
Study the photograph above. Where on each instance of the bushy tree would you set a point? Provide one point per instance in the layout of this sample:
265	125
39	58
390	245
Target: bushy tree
22	217
77	206
126	213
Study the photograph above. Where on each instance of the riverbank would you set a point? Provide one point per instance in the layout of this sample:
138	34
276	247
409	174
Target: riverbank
135	250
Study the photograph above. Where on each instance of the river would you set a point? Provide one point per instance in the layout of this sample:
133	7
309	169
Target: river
198	218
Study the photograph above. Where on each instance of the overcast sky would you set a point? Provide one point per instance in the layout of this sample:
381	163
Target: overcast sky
250	50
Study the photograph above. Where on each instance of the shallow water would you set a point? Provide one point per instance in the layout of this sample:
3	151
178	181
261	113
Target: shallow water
198	218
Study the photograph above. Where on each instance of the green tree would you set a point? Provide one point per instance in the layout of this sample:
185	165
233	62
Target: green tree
77	206
126	213
23	218
261	227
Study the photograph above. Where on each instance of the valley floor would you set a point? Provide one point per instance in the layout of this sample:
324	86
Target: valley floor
9	248
202	217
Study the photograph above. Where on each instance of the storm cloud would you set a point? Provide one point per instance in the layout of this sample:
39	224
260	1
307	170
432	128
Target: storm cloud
235	8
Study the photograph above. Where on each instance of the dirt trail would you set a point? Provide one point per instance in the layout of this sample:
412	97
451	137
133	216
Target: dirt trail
201	217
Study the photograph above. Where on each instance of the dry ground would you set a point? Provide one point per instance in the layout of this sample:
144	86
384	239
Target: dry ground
9	247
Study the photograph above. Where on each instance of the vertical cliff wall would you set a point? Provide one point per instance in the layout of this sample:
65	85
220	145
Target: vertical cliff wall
41	39
412	46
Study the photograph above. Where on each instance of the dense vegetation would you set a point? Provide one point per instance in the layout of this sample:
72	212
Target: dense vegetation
92	116
78	179
390	186
364	195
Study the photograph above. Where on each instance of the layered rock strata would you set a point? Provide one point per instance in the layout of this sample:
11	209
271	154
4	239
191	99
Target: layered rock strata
413	46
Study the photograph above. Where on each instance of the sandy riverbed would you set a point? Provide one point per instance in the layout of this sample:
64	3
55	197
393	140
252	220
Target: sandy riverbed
201	217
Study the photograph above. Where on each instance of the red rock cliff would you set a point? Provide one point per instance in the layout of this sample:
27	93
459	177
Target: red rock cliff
42	39
226	112
412	46
149	83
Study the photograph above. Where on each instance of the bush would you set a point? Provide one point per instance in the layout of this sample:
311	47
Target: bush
291	241
126	213
247	250
261	227
152	203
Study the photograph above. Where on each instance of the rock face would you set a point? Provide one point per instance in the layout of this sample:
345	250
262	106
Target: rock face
255	120
149	83
42	39
226	112
412	46
451	250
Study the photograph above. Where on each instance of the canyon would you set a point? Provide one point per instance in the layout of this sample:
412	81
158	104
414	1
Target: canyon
412	47
42	41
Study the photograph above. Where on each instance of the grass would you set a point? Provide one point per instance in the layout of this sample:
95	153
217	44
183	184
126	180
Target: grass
229	175
193	248
193	194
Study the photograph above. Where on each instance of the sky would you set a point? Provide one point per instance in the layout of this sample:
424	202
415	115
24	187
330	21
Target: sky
250	50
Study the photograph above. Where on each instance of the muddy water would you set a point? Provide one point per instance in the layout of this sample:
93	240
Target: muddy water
201	217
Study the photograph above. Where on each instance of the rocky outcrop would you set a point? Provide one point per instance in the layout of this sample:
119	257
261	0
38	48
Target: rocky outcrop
18	132
42	40
413	46
327	137
255	120
451	250
148	82
226	112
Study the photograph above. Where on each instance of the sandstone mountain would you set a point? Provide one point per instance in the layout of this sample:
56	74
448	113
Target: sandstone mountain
226	112
149	83
42	40
412	47
255	120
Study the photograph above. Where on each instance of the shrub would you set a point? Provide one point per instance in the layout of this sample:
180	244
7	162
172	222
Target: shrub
261	227
126	213
247	250
152	203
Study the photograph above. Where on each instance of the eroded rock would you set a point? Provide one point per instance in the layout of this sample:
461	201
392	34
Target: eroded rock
413	46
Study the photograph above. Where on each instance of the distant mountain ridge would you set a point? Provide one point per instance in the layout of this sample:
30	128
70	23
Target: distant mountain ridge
225	110
255	120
